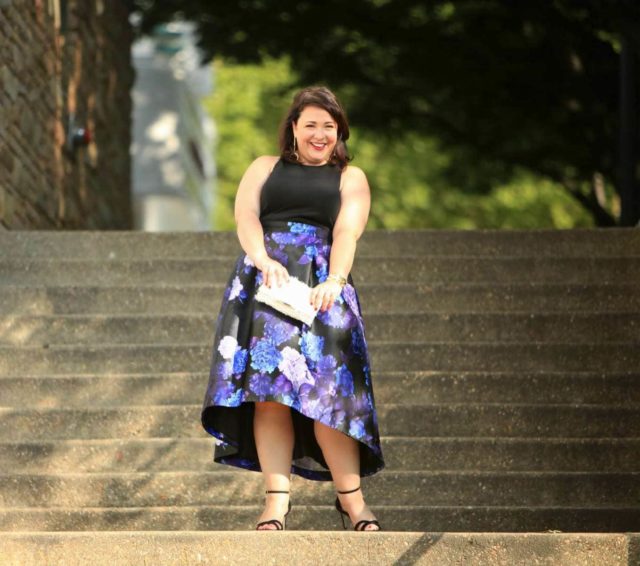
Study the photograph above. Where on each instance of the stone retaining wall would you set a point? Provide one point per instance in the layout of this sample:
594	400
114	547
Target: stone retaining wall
56	64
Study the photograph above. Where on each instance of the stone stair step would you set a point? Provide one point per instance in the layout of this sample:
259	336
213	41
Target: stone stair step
109	390
106	245
455	488
383	269
321	547
467	518
453	420
78	329
421	549
385	356
528	418
401	453
376	298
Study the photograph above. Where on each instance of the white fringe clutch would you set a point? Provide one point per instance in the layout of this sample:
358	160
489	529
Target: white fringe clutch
292	299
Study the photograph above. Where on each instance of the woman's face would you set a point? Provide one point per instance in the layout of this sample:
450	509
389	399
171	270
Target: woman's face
316	133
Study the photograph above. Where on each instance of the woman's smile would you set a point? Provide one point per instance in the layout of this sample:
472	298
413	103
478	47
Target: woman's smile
316	133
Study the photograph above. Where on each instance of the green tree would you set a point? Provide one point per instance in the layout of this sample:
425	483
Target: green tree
504	85
248	102
407	174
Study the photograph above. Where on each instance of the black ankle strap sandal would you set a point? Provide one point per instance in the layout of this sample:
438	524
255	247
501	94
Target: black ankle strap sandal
360	525
279	525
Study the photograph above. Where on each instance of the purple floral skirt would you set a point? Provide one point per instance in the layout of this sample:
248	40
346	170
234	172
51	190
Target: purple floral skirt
322	371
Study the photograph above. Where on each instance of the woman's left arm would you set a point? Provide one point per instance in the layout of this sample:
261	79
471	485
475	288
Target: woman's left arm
355	202
351	222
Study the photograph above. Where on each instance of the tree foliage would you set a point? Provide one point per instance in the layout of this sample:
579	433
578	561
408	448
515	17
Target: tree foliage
504	85
407	174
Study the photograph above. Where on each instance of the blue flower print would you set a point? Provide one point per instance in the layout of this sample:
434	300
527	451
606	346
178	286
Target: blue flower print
223	393
224	370
367	374
282	385
227	347
240	361
356	428
260	384
278	330
312	346
235	399
327	364
361	404
321	272
357	342
300	228
344	380
326	384
284	238
310	252
265	356
247	265
336	318
237	290
324	409
280	255
349	294
283	389
293	365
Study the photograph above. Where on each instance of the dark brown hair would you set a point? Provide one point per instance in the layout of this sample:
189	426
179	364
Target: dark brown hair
316	96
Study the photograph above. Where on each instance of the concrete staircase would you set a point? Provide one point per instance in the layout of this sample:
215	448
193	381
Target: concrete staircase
506	369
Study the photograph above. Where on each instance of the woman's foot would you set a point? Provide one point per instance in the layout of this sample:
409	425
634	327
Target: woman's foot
353	503
276	507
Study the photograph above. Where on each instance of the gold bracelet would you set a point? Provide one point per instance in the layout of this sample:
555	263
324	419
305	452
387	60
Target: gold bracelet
342	281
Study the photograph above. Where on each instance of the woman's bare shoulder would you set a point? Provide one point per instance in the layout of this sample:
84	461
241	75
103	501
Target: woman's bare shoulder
265	162
352	175
353	171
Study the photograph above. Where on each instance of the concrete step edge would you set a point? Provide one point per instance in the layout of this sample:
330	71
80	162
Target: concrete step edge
436	285
560	440
319	547
371	343
389	374
193	406
331	507
398	518
587	314
422	374
399	474
410	258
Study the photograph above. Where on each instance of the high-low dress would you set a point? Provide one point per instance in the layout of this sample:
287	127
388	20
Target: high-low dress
322	371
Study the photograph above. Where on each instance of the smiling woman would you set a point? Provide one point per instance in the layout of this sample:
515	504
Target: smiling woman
315	134
315	130
285	396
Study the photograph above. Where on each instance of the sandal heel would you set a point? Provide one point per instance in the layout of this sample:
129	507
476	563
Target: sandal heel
342	513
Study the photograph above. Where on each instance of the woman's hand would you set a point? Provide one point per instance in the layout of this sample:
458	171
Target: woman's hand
324	294
273	272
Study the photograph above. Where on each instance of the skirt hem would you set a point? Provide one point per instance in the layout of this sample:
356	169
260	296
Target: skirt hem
254	465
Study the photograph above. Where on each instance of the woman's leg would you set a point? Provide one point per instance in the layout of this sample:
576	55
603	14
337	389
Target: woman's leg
343	458
273	432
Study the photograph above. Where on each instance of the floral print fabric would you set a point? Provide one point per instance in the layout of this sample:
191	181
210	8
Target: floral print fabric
322	371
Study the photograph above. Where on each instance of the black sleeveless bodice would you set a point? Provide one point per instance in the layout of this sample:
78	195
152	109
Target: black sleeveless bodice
301	193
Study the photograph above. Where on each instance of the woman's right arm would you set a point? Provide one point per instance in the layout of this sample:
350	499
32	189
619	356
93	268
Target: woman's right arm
247	216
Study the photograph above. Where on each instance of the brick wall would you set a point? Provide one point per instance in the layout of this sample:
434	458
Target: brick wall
54	64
